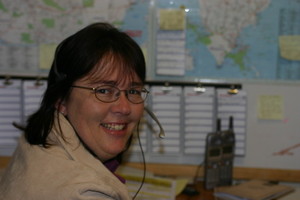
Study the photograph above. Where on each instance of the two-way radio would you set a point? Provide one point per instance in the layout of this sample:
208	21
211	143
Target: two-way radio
228	147
219	155
213	155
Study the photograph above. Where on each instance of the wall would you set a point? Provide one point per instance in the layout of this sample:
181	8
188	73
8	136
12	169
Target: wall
273	143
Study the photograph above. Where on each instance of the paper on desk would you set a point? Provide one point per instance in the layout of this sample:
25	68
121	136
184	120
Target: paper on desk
252	190
154	188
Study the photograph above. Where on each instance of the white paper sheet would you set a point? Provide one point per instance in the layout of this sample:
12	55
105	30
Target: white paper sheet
32	95
234	105
10	107
199	111
166	104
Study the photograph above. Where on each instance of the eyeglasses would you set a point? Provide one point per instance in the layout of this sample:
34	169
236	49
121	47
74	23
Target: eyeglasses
110	93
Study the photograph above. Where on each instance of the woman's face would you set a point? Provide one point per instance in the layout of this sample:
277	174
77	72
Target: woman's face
104	127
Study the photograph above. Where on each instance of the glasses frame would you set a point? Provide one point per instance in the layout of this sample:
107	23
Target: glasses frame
94	89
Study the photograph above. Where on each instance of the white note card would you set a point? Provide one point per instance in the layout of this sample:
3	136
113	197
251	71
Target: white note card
33	92
199	116
170	53
10	111
139	141
166	103
234	105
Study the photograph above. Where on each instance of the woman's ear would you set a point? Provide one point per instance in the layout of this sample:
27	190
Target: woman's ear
61	107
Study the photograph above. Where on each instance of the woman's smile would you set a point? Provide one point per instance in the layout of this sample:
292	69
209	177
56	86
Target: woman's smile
114	126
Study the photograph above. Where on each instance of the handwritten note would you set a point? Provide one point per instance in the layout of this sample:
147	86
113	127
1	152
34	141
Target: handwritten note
172	19
290	47
46	52
270	107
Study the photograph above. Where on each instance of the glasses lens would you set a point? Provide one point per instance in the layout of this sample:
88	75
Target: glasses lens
109	93
137	95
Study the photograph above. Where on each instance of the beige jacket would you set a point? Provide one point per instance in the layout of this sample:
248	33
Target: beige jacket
66	171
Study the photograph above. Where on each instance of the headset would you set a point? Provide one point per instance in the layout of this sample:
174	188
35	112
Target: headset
161	130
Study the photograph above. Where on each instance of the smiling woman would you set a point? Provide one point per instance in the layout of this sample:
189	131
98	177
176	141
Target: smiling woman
93	103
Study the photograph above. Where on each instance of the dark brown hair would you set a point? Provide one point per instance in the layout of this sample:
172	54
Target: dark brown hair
76	57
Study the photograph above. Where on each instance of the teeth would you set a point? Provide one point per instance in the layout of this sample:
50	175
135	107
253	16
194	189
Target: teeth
115	127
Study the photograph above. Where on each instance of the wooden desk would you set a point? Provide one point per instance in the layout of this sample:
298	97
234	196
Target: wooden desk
175	170
203	194
244	173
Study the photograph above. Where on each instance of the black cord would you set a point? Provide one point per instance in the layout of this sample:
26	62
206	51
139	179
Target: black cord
191	189
144	162
197	172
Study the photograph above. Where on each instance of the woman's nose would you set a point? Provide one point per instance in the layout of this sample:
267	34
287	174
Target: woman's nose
122	105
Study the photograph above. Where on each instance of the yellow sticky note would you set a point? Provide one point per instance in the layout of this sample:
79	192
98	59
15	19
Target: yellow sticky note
46	55
289	46
145	52
172	19
270	107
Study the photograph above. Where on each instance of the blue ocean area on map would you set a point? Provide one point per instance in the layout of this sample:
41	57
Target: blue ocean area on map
137	20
